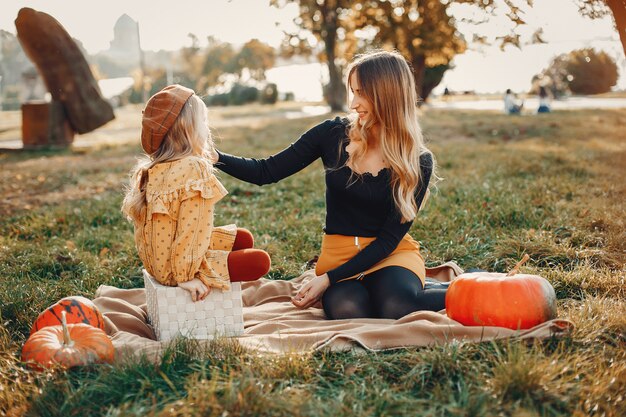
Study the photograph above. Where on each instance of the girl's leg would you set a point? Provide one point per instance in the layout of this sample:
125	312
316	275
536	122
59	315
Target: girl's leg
243	240
248	264
347	300
396	291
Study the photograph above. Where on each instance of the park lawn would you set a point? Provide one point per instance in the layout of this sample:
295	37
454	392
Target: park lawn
551	186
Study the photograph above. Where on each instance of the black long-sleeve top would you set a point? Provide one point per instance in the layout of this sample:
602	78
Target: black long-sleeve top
354	207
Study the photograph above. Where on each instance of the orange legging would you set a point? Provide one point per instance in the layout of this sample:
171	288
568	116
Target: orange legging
244	262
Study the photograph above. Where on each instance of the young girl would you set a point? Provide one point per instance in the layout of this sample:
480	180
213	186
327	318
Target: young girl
377	175
172	197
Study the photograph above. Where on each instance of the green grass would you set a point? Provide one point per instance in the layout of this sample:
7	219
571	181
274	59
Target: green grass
551	186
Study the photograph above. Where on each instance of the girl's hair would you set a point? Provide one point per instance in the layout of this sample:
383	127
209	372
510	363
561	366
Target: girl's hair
185	138
386	81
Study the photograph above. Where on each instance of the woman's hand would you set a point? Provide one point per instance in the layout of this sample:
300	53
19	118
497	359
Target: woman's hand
311	292
198	290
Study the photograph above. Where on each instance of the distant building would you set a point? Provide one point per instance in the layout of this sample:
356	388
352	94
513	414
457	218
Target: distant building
123	54
125	43
122	59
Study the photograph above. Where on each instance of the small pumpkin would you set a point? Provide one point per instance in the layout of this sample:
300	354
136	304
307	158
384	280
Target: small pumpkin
515	301
68	345
78	309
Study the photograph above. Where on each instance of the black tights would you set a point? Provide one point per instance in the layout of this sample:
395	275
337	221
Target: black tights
389	293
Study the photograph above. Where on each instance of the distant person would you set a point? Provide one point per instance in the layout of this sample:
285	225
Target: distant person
544	101
511	104
171	202
377	170
446	94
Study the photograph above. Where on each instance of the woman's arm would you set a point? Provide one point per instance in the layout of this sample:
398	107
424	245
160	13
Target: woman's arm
290	160
389	237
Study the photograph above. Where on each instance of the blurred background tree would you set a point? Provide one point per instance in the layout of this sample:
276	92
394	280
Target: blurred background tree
590	72
218	59
583	71
13	62
221	72
422	30
256	57
553	78
328	21
192	61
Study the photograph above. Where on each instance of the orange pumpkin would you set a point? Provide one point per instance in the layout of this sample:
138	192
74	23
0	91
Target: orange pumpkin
515	301
68	345
79	310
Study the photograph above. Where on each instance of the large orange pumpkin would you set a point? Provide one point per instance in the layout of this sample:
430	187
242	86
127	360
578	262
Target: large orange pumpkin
515	301
68	345
78	309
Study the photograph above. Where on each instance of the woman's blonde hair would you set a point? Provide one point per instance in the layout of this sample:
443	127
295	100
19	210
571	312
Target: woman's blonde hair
386	81
185	138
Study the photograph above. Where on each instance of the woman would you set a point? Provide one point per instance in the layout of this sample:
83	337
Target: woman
377	175
544	100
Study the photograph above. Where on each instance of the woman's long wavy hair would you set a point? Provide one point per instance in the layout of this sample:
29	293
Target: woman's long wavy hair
386	81
185	138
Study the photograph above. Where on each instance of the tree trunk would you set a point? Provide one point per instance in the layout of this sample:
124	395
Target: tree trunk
419	69
64	69
618	8
432	78
335	91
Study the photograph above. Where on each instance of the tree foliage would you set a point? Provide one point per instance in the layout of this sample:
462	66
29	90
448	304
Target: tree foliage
421	30
328	21
13	60
424	31
216	66
257	57
597	9
590	72
218	58
583	71
208	67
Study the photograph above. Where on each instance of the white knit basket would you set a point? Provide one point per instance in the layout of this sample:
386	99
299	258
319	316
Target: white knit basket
172	312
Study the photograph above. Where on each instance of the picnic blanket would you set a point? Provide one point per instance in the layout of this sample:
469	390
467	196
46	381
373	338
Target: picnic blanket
272	324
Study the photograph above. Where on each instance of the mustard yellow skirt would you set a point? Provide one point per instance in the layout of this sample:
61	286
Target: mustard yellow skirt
339	249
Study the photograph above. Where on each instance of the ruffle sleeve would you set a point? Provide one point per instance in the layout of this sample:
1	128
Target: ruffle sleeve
172	183
210	189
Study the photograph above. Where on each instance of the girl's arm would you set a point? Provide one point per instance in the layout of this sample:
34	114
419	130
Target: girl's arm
290	160
388	238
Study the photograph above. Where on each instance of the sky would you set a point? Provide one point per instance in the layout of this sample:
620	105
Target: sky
165	25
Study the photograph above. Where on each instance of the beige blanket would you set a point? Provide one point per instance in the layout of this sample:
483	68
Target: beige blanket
274	325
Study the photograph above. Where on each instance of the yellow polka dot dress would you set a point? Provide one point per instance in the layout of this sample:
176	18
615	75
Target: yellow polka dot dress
176	239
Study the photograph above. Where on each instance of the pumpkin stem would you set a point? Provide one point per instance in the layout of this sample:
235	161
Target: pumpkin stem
515	269
67	341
